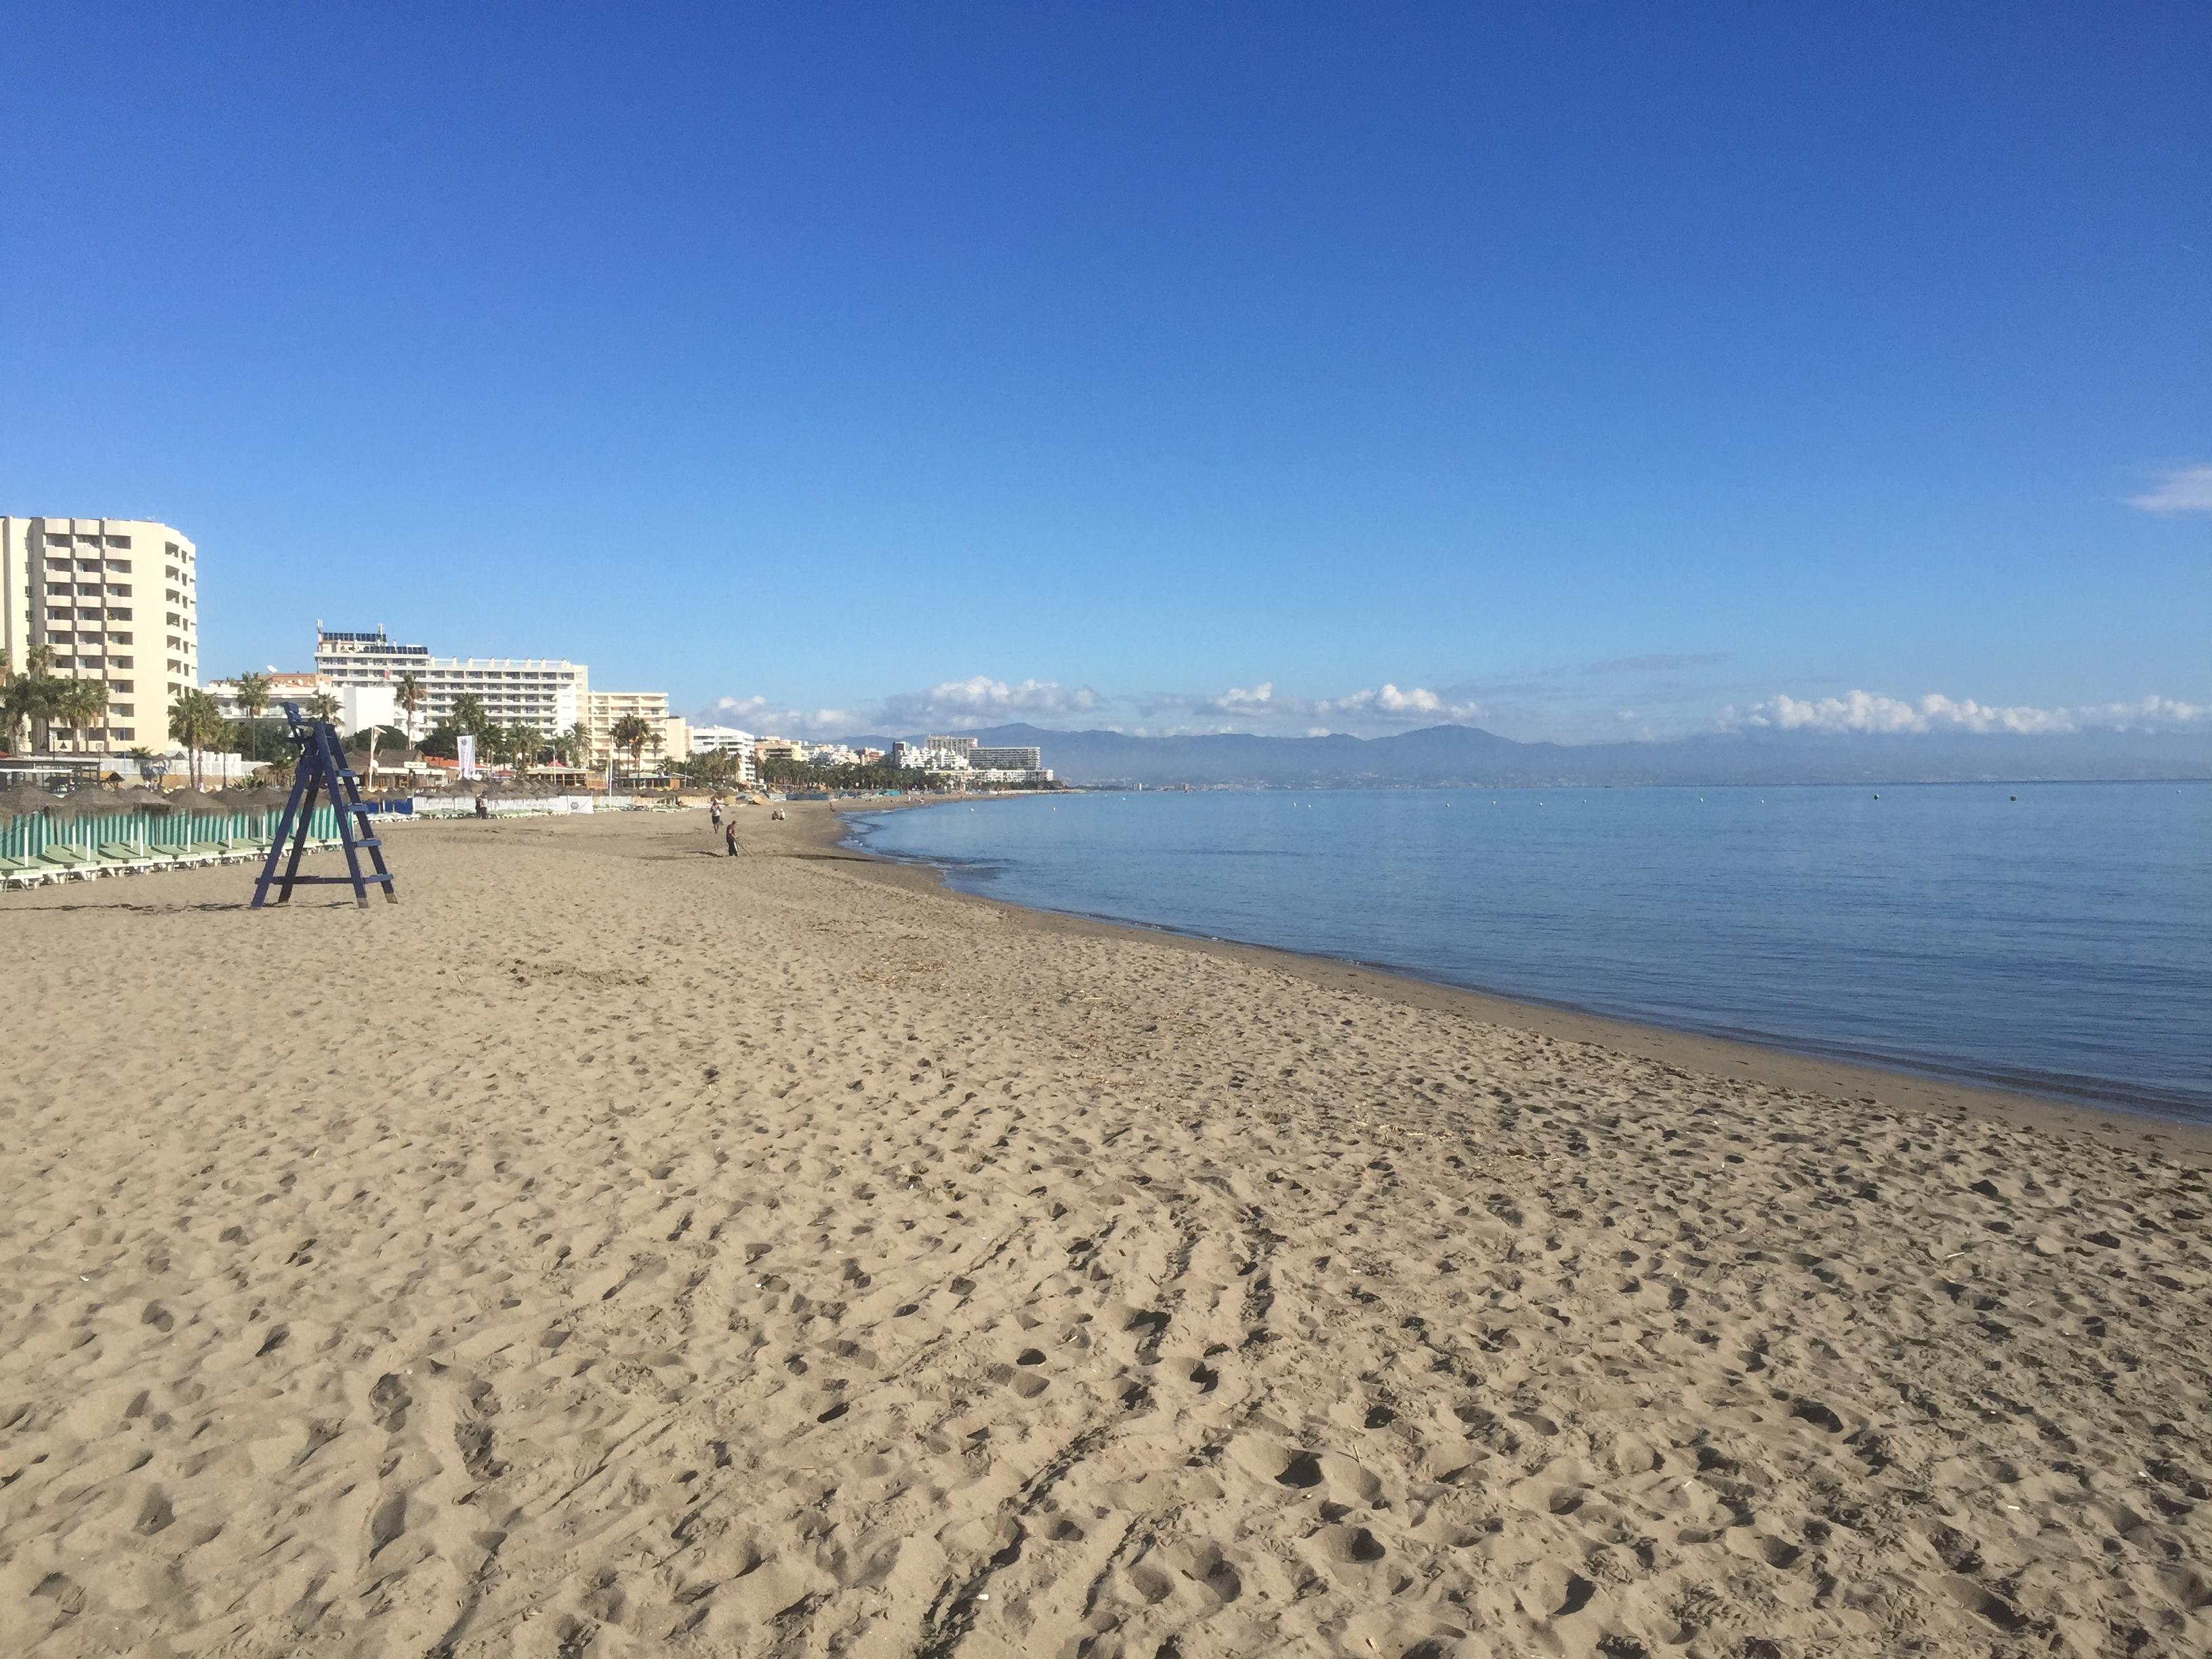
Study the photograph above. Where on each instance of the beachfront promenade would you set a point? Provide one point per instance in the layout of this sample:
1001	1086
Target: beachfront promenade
621	1249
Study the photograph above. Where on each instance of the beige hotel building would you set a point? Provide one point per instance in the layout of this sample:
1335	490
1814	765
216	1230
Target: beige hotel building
116	599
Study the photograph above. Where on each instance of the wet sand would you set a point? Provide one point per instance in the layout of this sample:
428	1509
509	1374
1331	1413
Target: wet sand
616	1249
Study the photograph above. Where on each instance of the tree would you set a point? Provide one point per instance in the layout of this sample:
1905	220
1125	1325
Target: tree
575	744
196	722
30	697
322	706
260	740
407	692
253	695
517	745
633	733
710	768
19	698
467	714
81	705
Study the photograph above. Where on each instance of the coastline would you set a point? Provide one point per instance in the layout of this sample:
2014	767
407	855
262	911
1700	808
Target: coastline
1773	1065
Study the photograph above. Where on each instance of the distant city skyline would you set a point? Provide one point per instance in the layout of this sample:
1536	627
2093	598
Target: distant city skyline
1613	374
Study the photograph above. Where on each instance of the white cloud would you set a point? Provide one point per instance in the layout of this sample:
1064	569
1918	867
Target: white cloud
1386	706
1418	703
983	700
1872	712
2184	489
1258	703
765	716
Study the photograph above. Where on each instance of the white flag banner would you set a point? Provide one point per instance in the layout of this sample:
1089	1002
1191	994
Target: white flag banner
464	750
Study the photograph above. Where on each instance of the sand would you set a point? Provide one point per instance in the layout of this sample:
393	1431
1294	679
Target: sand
617	1249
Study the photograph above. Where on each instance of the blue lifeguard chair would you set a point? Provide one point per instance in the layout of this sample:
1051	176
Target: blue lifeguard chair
322	770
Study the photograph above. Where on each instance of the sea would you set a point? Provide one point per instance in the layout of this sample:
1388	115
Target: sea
2055	939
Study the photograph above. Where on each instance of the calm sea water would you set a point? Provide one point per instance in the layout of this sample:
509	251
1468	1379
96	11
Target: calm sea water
2061	942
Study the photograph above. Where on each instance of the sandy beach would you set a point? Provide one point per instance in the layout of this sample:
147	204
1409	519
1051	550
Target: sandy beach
616	1248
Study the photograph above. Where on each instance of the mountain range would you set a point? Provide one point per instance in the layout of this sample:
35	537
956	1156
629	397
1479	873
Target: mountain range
1439	756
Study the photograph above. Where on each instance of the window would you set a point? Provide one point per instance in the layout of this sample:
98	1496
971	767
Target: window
60	539
121	589
93	565
122	733
115	638
121	565
57	567
119	612
122	708
120	662
119	541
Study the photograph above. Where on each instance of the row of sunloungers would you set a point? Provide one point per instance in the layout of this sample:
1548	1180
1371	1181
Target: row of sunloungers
118	857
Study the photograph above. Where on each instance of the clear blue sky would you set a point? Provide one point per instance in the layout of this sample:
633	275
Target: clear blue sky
826	354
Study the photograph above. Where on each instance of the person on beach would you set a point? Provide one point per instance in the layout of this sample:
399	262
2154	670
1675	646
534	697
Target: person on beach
484	806
730	838
715	812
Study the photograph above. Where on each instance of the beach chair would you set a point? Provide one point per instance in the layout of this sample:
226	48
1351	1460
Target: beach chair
121	858
69	863
23	872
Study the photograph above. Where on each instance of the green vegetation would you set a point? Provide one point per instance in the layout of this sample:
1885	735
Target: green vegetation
408	693
253	695
42	700
196	722
633	733
468	715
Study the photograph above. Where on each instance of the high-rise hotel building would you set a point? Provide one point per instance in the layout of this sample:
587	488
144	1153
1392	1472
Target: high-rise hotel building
116	599
542	692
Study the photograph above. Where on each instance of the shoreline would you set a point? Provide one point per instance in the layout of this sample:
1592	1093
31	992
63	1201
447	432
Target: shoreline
1736	1059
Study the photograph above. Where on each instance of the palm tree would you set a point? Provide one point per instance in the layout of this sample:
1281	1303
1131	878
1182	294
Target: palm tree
407	692
81	705
524	743
575	744
633	733
323	707
196	722
467	714
253	695
17	696
31	695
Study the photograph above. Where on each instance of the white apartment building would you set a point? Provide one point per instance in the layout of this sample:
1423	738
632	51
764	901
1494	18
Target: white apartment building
602	708
544	693
359	706
114	599
929	757
727	740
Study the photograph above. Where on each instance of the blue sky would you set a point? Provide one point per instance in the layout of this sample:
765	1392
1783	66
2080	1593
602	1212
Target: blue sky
1577	372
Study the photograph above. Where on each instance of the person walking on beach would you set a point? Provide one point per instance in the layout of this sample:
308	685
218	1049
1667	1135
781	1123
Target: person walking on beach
484	807
730	838
715	812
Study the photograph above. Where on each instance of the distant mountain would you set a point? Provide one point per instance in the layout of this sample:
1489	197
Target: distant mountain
1467	755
